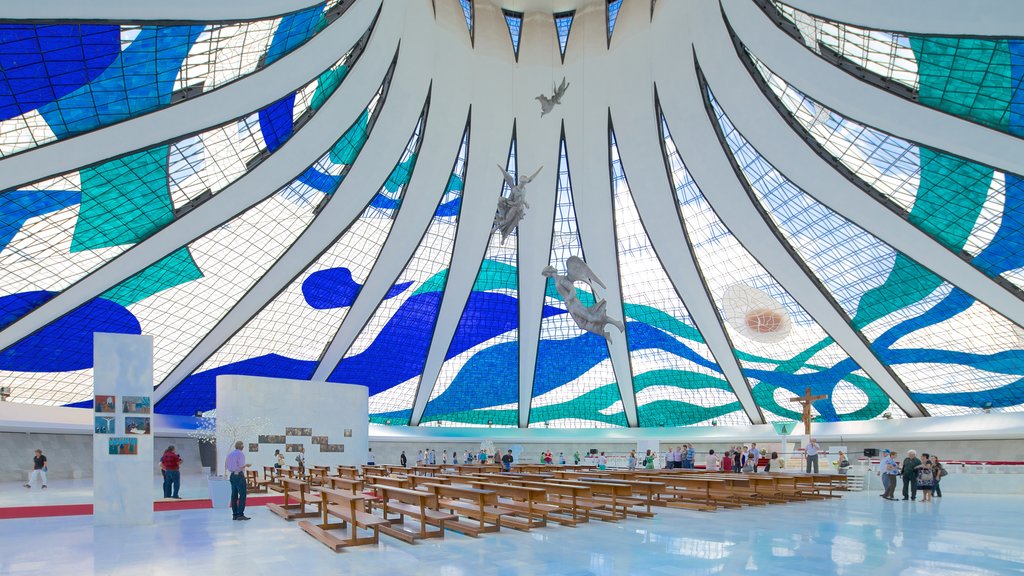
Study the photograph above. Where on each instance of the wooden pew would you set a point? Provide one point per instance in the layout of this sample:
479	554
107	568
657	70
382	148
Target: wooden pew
349	509
347	471
528	504
647	490
614	496
417	481
572	501
291	508
253	482
473	503
691	491
415	504
318	474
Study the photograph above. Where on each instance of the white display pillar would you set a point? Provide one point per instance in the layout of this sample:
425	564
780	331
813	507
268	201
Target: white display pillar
122	451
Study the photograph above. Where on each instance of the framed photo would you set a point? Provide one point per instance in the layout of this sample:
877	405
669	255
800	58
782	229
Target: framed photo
136	425
348	432
135	405
332	447
292	447
254	447
123	446
319	440
271	439
105	425
105	404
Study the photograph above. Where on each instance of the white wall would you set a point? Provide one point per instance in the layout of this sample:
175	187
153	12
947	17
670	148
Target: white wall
326	409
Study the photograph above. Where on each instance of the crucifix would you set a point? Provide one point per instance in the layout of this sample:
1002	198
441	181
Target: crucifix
806	401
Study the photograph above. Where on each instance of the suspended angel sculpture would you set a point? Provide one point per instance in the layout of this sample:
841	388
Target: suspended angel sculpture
594	318
512	209
548	104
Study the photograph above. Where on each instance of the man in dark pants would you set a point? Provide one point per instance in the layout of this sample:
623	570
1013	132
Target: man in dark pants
235	463
909	473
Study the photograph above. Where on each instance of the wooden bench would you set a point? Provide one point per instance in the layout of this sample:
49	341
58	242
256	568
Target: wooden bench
572	501
528	504
347	471
614	496
253	482
415	504
349	509
417	481
646	489
690	491
291	509
480	506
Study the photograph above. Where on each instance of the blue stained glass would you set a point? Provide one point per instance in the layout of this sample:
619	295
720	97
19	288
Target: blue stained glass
515	25
467	9
613	13
563	23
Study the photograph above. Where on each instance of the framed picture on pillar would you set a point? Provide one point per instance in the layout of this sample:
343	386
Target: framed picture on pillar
136	425
105	404
105	425
135	405
123	446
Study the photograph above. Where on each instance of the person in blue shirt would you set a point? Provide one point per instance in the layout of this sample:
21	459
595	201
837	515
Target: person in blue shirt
754	456
888	469
688	458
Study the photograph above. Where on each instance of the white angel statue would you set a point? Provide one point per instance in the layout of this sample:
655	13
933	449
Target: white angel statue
548	104
512	209
594	318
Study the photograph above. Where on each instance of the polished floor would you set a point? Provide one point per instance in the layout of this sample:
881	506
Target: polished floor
80	492
859	534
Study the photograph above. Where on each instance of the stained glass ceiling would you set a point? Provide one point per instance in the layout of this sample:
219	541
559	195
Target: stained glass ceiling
447	322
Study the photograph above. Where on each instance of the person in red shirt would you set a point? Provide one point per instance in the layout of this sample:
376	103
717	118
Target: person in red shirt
170	463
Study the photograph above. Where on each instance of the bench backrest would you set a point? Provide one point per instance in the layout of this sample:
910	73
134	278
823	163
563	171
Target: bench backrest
414	497
483	497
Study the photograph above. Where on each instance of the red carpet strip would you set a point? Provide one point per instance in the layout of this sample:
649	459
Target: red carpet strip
13	512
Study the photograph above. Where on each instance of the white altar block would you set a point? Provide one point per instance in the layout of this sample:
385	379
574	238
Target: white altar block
330	421
123	466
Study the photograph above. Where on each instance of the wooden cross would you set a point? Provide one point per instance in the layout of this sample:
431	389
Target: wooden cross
806	401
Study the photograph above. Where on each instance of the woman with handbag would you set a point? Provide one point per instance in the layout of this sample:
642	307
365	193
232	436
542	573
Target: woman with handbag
938	472
925	478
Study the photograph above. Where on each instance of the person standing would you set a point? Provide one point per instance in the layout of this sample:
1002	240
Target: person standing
649	460
466	457
727	461
711	462
755	456
602	462
170	462
812	455
455	457
431	457
403	460
889	469
38	470
561	458
419	458
775	463
236	466
300	459
631	464
279	459
506	461
689	456
925	478
909	473
843	463
938	472
576	458
737	460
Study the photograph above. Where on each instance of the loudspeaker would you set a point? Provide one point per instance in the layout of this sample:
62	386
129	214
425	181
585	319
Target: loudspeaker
871	452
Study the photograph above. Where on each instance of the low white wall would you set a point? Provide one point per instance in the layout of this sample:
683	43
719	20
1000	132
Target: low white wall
337	412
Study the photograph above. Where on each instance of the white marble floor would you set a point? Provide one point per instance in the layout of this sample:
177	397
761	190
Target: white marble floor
60	492
859	534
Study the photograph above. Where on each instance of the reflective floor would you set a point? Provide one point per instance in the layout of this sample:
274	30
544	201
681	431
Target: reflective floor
860	534
80	491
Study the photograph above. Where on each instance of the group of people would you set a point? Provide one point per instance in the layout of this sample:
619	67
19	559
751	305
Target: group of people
681	457
648	461
428	457
924	474
742	459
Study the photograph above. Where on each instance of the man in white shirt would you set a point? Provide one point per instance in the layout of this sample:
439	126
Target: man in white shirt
812	455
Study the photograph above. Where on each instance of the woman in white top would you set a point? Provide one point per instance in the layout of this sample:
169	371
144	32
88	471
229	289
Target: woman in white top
776	463
711	462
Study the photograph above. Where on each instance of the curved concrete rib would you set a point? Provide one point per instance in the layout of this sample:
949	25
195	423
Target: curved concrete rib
266	178
931	17
194	115
135	11
862	101
361	183
490	132
710	167
772	136
440	139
